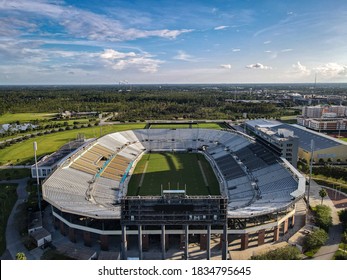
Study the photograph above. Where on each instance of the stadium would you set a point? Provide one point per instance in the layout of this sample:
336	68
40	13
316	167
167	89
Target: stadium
158	187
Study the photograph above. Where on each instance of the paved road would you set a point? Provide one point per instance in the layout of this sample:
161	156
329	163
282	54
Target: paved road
13	238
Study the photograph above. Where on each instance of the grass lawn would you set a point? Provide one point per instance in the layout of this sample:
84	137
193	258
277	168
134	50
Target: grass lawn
24	117
286	118
8	197
172	171
200	125
23	152
13	174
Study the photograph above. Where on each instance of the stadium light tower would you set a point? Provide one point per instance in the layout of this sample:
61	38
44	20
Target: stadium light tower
310	176
37	178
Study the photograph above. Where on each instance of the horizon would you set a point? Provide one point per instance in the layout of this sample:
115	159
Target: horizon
70	42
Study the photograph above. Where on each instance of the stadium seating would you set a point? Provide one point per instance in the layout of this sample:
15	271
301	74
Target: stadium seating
92	180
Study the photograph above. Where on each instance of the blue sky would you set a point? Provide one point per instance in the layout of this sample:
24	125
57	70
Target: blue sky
111	42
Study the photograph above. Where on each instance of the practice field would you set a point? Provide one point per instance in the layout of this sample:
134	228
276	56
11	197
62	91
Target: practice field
173	171
25	117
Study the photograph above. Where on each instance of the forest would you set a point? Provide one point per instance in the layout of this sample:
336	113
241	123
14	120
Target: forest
140	102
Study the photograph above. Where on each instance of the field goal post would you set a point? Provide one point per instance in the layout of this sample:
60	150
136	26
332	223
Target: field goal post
173	193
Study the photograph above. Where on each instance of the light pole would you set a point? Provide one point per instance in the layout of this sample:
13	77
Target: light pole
310	179
37	178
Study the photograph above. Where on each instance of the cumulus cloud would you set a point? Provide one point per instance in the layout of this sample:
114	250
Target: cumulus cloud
300	69
221	27
236	50
258	66
144	62
112	54
225	66
332	70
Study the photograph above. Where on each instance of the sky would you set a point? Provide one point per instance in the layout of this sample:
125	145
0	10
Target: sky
167	42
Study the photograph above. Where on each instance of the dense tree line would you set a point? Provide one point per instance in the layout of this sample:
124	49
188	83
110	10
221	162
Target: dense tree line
136	103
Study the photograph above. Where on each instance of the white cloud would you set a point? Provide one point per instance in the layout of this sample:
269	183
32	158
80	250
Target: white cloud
221	27
300	69
112	54
80	23
267	42
182	55
225	66
258	66
142	61
268	51
332	70
236	50
286	50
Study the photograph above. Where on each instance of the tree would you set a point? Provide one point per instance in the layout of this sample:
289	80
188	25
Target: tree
21	256
343	218
344	241
322	193
323	217
315	239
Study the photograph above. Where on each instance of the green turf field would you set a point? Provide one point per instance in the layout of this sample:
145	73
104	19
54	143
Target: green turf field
173	171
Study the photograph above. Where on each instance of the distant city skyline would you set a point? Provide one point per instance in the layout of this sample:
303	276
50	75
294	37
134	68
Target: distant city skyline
139	42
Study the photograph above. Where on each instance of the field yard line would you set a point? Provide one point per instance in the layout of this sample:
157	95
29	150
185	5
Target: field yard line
143	174
203	173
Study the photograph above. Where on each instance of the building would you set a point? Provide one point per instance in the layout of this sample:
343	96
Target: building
320	111
41	237
258	194
325	148
281	141
336	125
312	111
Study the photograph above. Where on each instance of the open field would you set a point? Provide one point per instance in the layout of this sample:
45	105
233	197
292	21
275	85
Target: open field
173	171
24	117
286	118
175	126
8	197
23	152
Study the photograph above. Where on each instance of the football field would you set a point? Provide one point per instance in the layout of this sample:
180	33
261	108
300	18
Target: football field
173	171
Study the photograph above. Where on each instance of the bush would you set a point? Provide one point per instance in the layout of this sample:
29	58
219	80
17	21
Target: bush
315	240
343	218
285	253
323	217
339	255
